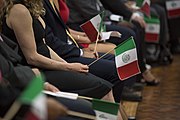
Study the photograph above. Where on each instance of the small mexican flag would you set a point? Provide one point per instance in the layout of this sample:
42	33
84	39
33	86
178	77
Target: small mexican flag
105	110
145	6
33	96
93	26
152	30
173	8
126	59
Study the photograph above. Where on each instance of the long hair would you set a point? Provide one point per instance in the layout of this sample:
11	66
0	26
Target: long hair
7	4
34	6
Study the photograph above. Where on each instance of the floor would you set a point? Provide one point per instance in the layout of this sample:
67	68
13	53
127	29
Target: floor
162	101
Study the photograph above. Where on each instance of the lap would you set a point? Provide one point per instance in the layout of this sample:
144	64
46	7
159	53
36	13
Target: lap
83	84
104	68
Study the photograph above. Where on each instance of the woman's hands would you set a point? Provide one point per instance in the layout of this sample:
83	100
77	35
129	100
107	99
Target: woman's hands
78	67
50	87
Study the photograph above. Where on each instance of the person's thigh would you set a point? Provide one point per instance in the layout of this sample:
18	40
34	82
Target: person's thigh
104	68
79	105
83	84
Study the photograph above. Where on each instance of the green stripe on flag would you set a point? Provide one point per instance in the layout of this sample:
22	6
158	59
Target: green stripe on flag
102	26
124	46
105	106
152	20
33	89
139	2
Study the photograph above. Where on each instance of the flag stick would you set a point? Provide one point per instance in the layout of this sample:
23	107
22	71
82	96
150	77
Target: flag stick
12	110
100	57
83	97
95	47
123	112
82	115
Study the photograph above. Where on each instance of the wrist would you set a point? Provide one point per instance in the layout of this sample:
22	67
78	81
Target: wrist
78	37
46	85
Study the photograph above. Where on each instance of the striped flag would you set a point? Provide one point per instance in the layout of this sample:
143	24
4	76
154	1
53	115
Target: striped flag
126	59
105	110
95	26
173	8
145	6
92	27
152	30
33	96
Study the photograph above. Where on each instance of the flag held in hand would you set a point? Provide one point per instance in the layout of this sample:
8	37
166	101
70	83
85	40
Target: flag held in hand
173	8
145	6
126	59
152	30
33	96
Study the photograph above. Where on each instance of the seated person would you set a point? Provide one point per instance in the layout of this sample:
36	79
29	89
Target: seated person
71	77
15	78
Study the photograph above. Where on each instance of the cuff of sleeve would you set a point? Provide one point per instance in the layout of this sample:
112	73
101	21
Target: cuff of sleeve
81	52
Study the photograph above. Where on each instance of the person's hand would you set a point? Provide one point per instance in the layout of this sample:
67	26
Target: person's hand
55	109
89	54
36	71
96	54
138	19
78	67
50	87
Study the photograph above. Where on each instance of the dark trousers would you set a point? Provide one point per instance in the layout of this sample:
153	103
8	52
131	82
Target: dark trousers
104	68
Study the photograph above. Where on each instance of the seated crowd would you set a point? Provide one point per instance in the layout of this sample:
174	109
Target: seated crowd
43	37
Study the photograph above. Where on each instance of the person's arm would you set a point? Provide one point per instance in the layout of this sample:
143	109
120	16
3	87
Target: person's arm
59	46
20	21
86	8
80	37
117	7
54	56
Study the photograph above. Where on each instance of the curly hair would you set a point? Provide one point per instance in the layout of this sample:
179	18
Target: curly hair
35	7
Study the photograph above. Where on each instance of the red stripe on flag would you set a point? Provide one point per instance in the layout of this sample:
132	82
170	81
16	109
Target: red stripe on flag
150	37
90	30
174	13
146	9
31	116
128	70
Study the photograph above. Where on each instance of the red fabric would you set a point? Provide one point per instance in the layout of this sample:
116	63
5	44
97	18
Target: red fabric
64	10
85	45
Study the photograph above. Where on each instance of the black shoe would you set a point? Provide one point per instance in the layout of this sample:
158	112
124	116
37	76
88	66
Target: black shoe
130	95
175	48
138	86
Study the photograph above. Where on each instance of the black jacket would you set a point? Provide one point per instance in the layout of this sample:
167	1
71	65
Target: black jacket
56	36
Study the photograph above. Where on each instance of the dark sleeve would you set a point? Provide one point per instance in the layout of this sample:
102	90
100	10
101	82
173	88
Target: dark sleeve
5	66
63	49
117	7
18	76
87	8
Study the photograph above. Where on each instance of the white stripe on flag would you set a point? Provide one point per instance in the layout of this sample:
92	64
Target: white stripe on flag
39	107
105	116
96	21
131	54
153	28
147	1
172	5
